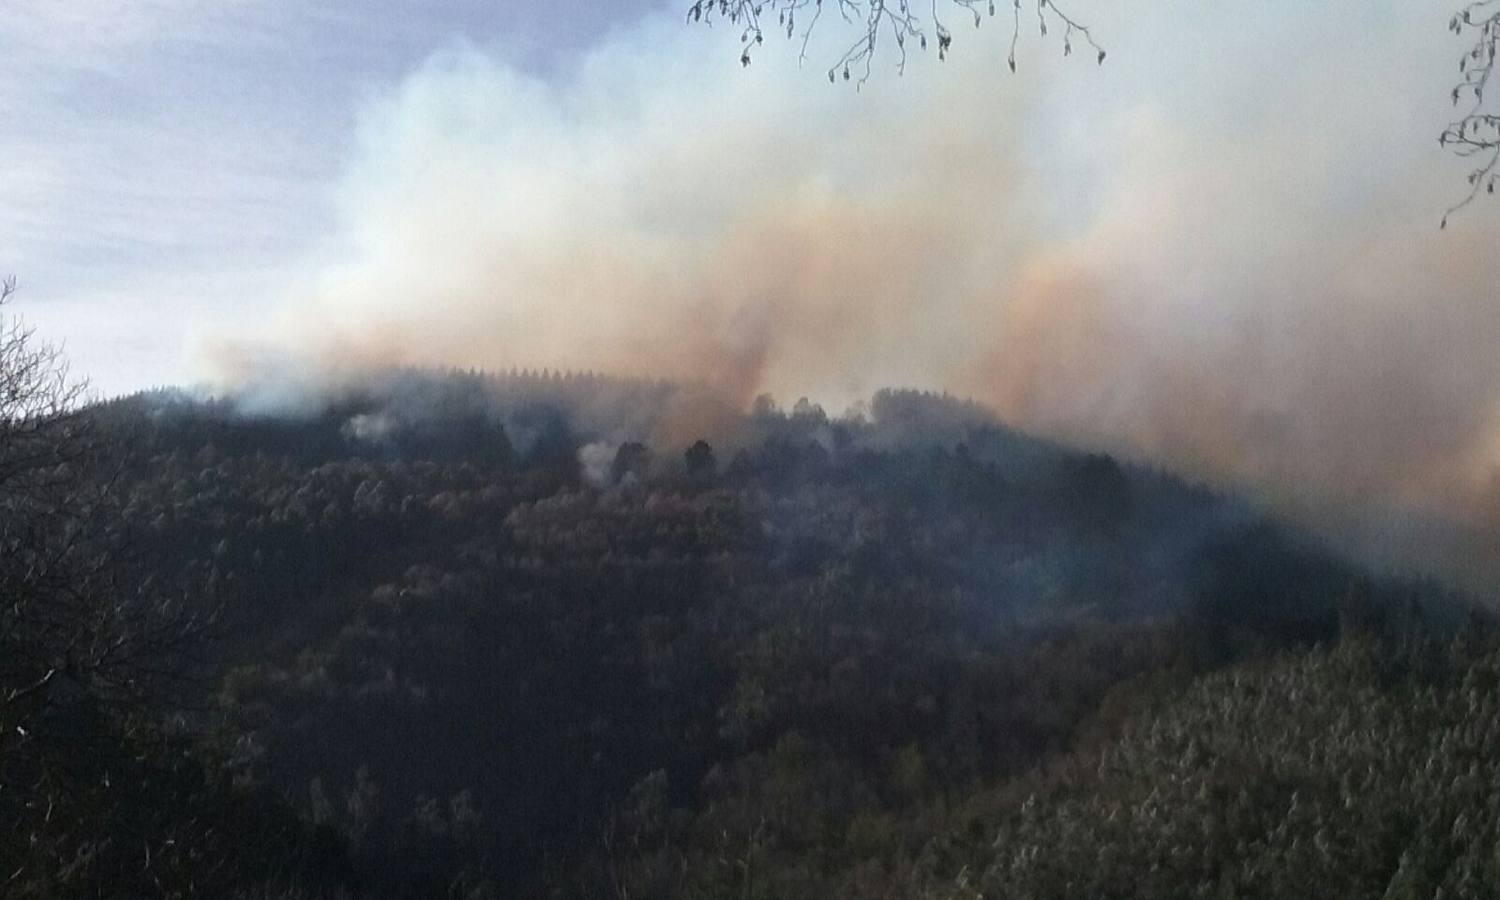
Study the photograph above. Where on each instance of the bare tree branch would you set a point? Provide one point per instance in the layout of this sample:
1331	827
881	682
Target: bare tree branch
81	626
1476	133
905	23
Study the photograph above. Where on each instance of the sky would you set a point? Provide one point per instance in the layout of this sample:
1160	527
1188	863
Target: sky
169	164
1217	251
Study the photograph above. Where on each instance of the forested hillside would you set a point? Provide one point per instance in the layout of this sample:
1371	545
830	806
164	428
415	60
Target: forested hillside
1362	771
492	636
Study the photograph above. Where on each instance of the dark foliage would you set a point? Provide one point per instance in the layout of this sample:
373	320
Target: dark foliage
783	676
107	788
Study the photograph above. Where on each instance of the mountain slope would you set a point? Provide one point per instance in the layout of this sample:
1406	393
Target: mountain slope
1360	771
507	639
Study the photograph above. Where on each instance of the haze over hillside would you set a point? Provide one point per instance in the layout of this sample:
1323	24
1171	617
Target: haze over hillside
1388	538
1233	301
474	626
1236	276
447	633
582	450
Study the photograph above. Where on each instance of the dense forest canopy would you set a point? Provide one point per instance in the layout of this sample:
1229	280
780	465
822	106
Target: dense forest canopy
485	635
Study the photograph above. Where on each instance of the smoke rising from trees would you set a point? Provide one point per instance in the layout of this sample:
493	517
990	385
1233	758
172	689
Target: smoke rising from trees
1200	275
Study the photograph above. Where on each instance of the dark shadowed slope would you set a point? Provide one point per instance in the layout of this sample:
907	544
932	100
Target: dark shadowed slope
506	637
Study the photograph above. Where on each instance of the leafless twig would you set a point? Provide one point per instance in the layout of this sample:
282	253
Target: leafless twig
1476	133
904	23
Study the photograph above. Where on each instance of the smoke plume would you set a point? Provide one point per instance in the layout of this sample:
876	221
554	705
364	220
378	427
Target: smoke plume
1174	257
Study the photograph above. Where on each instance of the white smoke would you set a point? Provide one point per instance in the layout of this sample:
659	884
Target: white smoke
1219	251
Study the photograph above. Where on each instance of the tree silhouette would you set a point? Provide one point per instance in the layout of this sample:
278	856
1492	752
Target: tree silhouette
699	458
90	644
631	459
